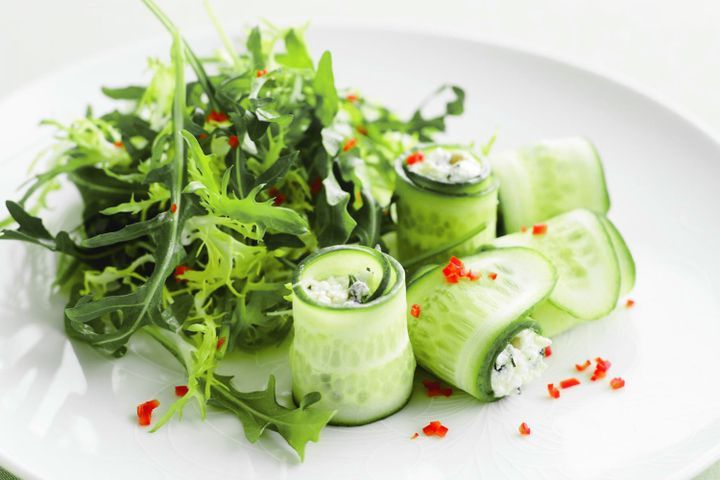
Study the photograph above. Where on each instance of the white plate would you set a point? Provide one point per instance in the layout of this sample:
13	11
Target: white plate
67	412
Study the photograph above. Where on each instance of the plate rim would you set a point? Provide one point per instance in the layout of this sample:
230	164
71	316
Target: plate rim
338	24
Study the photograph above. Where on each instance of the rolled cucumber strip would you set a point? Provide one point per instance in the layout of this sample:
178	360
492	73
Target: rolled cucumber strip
541	181
477	334
350	333
447	203
590	277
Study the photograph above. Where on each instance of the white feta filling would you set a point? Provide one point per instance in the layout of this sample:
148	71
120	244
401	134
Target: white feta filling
448	166
337	290
519	362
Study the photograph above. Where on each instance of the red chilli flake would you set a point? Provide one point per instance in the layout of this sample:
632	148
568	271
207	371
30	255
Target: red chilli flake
617	383
362	130
278	197
553	391
629	303
455	270
601	368
350	144
119	144
220	343
524	429
435	429
492	275
316	186
547	352
144	412
352	97
414	436
181	390
435	389
581	367
569	382
261	73
233	141
414	158
415	310
217	117
523	229
173	208
539	229
202	136
180	271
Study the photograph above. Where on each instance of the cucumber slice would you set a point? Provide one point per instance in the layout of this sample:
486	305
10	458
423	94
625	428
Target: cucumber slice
462	327
625	259
544	180
357	356
452	219
577	243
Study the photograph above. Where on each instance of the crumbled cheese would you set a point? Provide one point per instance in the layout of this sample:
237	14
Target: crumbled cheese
337	290
519	362
448	166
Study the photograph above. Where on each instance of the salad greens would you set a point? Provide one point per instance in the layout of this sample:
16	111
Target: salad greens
200	197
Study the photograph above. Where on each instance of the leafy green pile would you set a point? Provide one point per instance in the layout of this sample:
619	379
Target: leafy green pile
199	199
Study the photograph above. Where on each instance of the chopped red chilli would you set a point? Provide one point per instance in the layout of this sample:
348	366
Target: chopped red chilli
601	368
455	270
217	117
119	144
547	352
181	390
415	157
220	342
316	185
144	412
233	141
180	271
435	389
524	429
539	229
278	197
415	310
435	429
261	73
581	367
569	382
617	383
492	275
173	208
630	303
349	144
553	391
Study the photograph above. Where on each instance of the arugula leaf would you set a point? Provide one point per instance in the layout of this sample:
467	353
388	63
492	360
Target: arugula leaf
132	92
296	55
324	84
333	223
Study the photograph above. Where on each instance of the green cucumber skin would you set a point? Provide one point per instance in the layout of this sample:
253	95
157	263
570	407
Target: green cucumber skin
359	358
580	291
428	220
541	181
463	326
626	261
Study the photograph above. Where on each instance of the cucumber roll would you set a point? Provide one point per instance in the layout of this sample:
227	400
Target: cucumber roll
549	178
447	203
470	323
351	342
593	262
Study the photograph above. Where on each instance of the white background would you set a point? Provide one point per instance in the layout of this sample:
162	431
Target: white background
669	48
